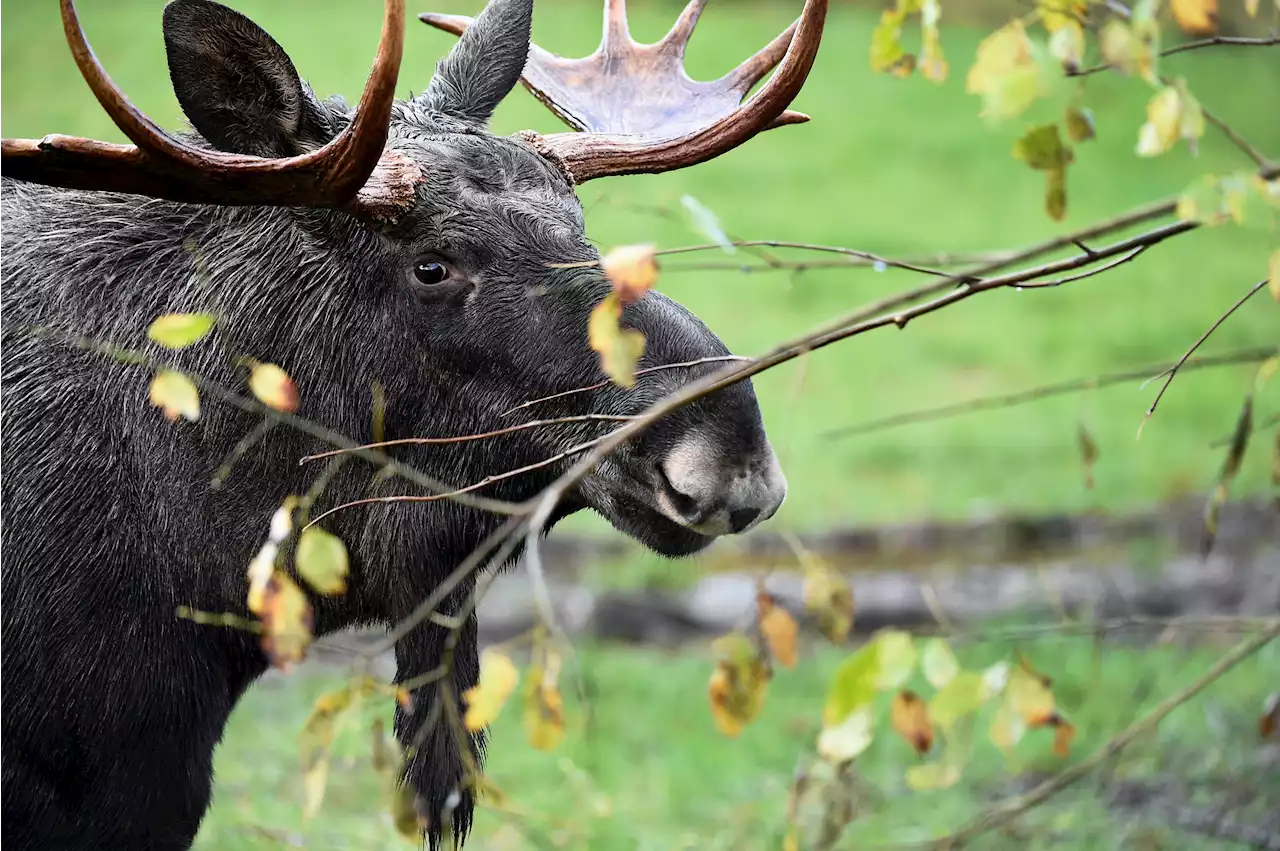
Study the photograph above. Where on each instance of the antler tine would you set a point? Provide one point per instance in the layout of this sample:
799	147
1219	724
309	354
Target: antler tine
753	70
677	38
592	155
617	35
351	172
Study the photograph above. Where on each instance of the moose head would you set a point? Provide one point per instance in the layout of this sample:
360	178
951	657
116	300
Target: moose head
399	242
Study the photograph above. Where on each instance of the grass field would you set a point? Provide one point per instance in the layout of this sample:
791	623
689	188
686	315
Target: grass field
645	768
894	167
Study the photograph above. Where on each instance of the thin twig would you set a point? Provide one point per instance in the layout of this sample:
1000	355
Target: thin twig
1009	809
1009	400
1232	41
406	441
1173	370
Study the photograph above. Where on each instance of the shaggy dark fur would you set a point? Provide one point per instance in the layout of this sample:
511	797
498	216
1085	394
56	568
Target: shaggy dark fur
113	706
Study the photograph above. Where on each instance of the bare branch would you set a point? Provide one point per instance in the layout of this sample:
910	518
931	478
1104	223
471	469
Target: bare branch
1173	370
1214	41
1009	400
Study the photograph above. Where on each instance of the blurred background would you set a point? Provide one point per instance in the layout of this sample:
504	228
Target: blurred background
989	512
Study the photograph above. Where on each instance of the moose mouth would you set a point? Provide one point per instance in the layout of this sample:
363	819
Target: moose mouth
631	503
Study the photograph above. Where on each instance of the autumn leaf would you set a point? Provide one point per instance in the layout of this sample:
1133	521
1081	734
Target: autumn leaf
632	270
1067	46
853	685
839	743
910	718
933	62
887	52
261	568
175	395
287	621
543	706
179	330
321	560
1007	728
963	695
1216	199
932	775
1173	113
1128	51
620	348
273	387
1064	733
1059	14
938	663
1088	453
737	686
1080	127
316	744
1273	274
1027	695
1006	72
1270	717
828	597
777	627
896	658
1042	148
1196	17
484	700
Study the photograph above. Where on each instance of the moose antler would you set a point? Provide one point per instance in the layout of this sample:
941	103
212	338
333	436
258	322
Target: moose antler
639	112
351	172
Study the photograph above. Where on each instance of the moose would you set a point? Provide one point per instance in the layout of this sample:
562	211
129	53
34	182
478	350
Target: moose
397	243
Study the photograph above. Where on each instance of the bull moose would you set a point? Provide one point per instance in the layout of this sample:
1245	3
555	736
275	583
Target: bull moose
398	243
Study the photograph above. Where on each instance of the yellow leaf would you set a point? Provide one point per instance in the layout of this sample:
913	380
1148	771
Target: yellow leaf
175	395
737	686
886	41
620	348
315	744
1057	14
1273	274
933	63
287	621
544	708
261	569
273	387
1079	123
404	813
179	330
1196	17
896	658
632	269
1027	695
1007	728
932	775
963	695
484	700
910	718
938	663
828	597
778	628
1164	119
1122	47
321	559
1006	72
1251	6
1067	45
839	743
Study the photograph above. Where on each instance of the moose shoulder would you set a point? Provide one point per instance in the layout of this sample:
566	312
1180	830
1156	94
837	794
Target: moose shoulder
401	244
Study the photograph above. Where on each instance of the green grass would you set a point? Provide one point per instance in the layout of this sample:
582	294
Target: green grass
896	167
643	767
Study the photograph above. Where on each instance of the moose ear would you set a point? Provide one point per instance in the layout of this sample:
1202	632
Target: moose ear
484	65
237	85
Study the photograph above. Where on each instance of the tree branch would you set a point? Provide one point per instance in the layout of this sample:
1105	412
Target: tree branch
1214	41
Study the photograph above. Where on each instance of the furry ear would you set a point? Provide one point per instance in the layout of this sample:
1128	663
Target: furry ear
237	85
484	65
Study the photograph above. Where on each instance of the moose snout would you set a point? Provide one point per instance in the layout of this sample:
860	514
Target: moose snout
720	491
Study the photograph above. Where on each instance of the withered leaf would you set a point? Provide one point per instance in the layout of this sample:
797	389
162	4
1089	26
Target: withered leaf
632	270
287	621
484	700
778	628
273	387
620	349
910	718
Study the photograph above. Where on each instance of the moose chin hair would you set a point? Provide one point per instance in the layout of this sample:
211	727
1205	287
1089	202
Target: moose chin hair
654	530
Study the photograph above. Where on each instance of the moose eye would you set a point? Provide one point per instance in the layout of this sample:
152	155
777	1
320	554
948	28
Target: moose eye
430	272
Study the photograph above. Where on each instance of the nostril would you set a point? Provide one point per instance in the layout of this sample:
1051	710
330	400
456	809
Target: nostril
742	518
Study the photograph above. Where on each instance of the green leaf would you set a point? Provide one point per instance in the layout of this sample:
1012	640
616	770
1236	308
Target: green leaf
1042	148
963	695
886	41
938	663
179	330
897	658
1080	127
322	561
854	684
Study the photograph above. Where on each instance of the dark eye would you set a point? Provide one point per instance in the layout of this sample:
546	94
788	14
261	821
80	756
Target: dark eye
430	272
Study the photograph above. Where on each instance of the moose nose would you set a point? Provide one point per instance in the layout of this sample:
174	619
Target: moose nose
720	493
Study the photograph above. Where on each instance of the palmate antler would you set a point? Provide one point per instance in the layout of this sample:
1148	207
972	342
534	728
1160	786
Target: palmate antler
637	109
351	172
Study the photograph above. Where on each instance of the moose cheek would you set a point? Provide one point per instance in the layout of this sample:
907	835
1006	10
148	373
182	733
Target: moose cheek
446	294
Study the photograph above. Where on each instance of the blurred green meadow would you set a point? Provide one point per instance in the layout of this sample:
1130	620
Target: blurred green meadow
896	167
